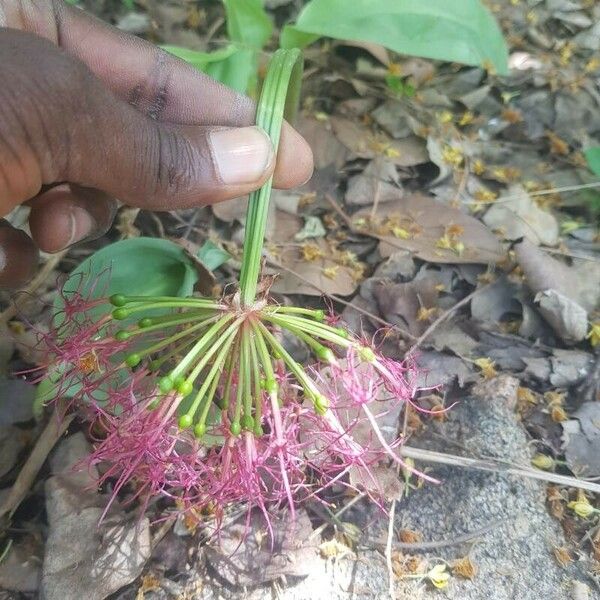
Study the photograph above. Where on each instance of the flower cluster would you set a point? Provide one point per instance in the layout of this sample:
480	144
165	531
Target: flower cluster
197	400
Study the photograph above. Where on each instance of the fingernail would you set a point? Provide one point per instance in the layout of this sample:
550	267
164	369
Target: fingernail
81	225
241	155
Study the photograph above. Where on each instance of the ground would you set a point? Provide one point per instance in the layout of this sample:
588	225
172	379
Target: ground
450	206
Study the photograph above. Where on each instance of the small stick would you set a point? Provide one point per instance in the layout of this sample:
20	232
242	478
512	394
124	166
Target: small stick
444	316
455	541
53	431
496	466
11	311
388	550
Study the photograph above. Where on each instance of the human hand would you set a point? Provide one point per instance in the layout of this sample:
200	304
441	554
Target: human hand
106	115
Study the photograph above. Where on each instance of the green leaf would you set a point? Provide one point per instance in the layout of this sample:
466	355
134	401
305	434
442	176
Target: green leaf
249	28
461	31
230	65
212	256
248	23
592	155
137	267
201	60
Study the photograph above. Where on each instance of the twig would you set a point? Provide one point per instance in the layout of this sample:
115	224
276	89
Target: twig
337	515
41	276
496	466
388	550
455	541
56	426
444	316
558	190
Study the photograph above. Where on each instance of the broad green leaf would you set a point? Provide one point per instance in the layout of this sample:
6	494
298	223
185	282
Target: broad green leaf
461	31
229	65
201	60
249	28
212	256
137	267
592	155
248	23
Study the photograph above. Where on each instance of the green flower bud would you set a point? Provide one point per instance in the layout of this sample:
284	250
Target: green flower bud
326	354
133	360
122	336
120	313
145	322
185	388
185	421
321	404
165	384
118	300
235	428
199	430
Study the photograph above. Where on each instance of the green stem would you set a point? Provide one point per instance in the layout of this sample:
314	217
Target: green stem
311	328
200	345
166	342
303	379
279	98
257	392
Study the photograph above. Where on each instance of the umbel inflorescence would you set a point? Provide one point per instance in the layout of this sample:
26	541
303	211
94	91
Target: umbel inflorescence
197	398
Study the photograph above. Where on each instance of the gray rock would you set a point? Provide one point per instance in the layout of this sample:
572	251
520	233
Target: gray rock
514	559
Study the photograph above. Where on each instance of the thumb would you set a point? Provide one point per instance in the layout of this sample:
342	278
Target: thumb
60	123
160	166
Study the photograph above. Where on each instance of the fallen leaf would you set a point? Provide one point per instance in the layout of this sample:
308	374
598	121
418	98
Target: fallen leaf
580	283
567	318
400	303
426	221
517	215
581	440
326	273
392	117
363	143
327	149
83	559
496	301
20	568
245	554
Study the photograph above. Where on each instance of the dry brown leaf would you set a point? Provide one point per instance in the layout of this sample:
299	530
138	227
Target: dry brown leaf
363	143
327	149
426	220
542	272
375	50
231	210
323	269
400	303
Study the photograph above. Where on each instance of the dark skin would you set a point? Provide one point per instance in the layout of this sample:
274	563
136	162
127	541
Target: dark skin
89	114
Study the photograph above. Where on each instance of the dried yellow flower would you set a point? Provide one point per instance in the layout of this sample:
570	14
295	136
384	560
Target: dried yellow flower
487	366
439	576
594	334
